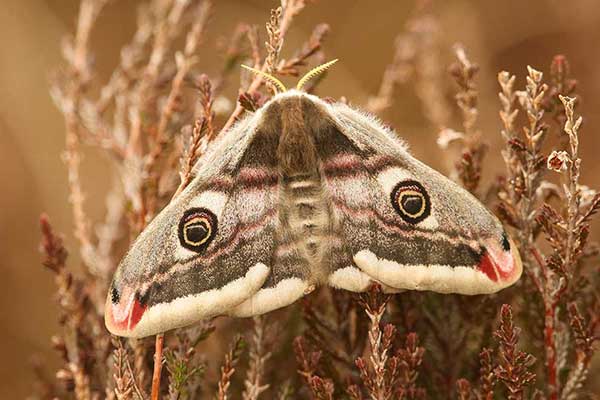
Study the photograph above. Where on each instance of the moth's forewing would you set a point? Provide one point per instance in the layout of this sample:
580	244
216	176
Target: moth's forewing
195	260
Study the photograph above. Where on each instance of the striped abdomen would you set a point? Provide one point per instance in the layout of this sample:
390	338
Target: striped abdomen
308	216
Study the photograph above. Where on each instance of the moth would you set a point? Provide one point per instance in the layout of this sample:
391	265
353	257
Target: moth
302	193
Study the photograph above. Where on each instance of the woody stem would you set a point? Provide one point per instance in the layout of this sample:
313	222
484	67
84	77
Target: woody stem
158	349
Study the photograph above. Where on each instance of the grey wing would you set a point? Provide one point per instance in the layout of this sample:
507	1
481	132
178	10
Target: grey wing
401	222
214	249
290	274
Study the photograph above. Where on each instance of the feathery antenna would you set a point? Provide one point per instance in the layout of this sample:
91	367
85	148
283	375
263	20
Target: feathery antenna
268	77
314	72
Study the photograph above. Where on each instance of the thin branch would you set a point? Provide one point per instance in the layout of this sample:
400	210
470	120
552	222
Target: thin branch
158	363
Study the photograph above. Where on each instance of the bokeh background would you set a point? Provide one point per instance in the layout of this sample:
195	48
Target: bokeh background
508	34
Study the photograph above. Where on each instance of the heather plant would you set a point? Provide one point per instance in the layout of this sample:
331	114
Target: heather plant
155	117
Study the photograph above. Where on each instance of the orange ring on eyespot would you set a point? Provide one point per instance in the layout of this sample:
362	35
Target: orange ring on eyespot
407	194
197	218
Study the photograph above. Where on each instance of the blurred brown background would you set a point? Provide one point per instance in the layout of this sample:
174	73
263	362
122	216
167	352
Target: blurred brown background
508	34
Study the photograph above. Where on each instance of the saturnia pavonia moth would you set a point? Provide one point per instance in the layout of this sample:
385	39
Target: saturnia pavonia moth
302	193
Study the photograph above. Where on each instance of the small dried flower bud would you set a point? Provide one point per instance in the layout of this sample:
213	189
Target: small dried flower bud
249	101
63	374
517	145
521	97
558	161
66	378
179	60
506	81
448	136
534	74
222	106
587	195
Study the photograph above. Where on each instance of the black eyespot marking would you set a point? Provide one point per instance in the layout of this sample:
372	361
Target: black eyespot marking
505	242
411	201
412	204
197	228
196	232
115	296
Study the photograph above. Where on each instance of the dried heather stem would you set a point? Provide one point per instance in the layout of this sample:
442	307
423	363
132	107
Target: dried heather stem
290	8
429	73
464	390
164	33
191	155
567	243
508	114
321	388
531	101
158	362
396	73
513	364
254	383
469	165
206	92
228	369
464	72
308	49
410	358
68	96
572	193
72	302
185	370
184	61
487	378
377	379
584	350
123	380
273	45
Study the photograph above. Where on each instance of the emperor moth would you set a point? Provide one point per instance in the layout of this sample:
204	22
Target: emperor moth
301	193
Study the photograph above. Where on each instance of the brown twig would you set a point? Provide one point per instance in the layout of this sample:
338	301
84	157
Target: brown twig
320	387
293	7
255	379
68	96
410	358
191	155
74	309
121	375
228	369
378	380
158	362
513	364
470	163
395	73
308	49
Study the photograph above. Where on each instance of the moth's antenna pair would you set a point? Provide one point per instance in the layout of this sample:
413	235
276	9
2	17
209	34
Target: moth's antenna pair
279	85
